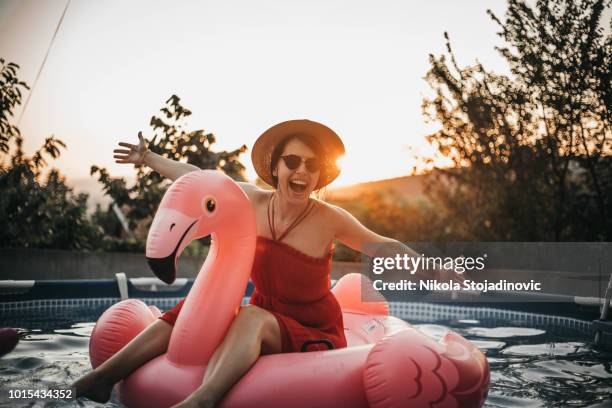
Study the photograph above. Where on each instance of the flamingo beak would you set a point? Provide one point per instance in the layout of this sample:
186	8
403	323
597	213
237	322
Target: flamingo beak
163	268
169	234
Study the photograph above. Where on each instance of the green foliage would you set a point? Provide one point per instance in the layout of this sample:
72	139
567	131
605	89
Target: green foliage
107	221
173	141
532	150
10	96
38	210
43	214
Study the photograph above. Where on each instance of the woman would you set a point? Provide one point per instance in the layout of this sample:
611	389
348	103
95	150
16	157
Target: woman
292	307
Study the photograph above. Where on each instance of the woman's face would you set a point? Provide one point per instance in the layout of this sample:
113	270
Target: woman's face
296	185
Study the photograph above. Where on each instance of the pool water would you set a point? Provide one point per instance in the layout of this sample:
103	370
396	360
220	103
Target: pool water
530	367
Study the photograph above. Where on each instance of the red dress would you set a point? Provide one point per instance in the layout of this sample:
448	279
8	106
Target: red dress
295	288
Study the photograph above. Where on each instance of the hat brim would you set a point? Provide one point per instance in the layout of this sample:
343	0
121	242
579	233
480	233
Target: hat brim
332	145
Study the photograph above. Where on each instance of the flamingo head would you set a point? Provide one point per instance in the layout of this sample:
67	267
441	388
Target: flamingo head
197	204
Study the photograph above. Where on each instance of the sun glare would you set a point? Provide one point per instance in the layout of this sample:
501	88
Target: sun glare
340	162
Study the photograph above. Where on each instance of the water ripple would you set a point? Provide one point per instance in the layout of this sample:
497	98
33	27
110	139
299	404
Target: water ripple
530	367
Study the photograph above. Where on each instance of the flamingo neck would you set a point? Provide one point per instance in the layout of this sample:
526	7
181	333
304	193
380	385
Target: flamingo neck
215	296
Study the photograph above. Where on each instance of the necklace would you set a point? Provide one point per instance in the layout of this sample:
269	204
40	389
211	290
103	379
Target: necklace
294	224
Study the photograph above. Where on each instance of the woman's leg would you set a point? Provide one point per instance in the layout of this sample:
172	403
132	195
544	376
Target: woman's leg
253	332
151	342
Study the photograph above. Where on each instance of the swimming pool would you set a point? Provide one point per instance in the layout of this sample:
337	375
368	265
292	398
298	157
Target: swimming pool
536	360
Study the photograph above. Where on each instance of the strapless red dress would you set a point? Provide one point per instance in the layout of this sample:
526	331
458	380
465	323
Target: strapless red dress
295	288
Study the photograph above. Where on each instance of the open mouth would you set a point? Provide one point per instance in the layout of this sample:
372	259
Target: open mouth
298	186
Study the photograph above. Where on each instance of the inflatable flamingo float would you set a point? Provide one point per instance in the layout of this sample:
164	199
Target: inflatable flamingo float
387	362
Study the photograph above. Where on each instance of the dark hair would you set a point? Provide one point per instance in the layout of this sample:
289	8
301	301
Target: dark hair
308	141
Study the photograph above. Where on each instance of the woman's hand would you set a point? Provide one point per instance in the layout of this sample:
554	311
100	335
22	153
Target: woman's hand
134	154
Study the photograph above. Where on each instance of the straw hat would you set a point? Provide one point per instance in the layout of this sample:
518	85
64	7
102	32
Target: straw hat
261	155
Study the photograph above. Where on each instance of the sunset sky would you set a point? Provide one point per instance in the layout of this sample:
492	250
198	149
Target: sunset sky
240	66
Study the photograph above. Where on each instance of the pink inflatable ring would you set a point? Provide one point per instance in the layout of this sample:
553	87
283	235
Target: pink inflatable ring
387	362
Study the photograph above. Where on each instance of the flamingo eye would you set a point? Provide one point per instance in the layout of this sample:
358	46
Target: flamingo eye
210	205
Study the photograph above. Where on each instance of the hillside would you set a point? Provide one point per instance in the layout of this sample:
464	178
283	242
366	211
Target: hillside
408	186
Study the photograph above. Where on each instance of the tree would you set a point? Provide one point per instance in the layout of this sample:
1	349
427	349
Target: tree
38	210
173	141
531	150
10	96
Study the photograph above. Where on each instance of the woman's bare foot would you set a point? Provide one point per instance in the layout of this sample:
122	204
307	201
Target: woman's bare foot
93	386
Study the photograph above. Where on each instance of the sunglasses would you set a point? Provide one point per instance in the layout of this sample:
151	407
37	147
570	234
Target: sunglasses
293	161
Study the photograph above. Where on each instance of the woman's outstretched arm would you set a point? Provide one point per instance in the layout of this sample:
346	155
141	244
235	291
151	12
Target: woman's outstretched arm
355	235
140	154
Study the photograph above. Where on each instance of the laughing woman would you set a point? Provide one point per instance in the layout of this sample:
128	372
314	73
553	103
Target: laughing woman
292	304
